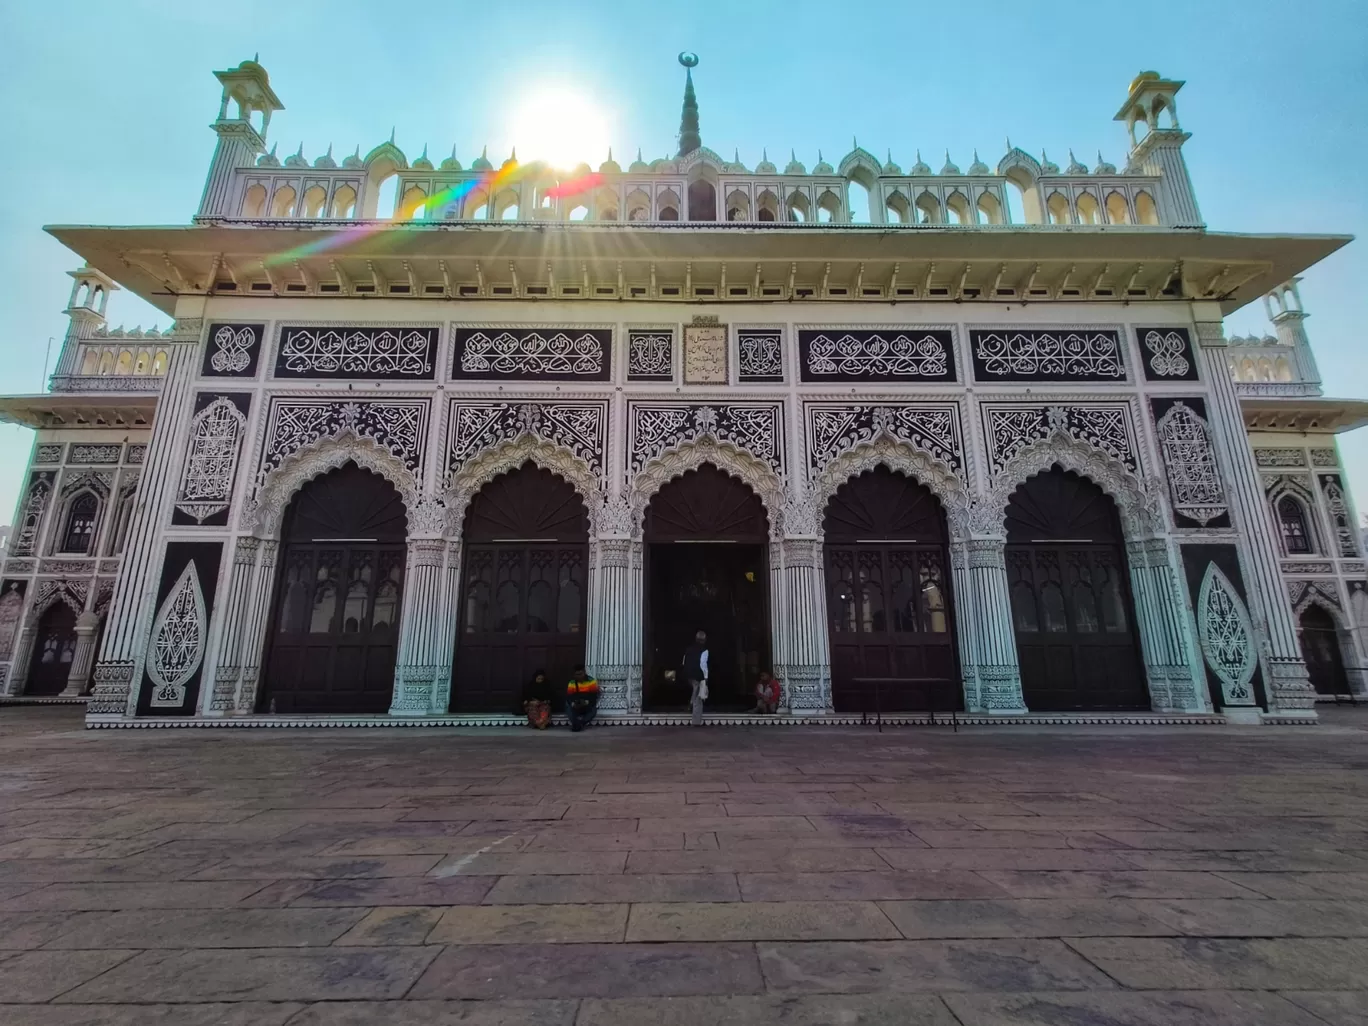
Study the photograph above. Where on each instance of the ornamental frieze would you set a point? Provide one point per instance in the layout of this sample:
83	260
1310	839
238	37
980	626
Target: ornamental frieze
1196	490
1280	457
650	354
877	354
834	428
543	353
1166	354
232	350
398	425
1055	354
759	355
375	351
476	425
653	428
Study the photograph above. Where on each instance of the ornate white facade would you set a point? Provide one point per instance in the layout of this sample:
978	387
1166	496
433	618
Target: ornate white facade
621	329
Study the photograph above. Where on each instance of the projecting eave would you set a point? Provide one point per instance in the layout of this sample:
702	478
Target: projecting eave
79	410
1311	414
847	262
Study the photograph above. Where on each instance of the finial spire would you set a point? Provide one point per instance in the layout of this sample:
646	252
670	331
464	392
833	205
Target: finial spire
689	137
391	135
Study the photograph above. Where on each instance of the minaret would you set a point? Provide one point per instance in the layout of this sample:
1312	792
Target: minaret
90	291
239	140
1158	150
1284	306
689	139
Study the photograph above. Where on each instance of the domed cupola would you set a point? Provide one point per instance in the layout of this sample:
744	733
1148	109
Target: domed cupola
610	166
354	161
296	159
765	167
1103	167
795	166
822	167
482	161
978	167
451	163
1047	166
326	161
1075	168
950	168
269	159
921	167
423	163
639	166
891	168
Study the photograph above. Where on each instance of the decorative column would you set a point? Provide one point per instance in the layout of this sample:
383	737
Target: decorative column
422	629
1173	670
613	641
23	651
964	638
83	658
120	661
228	663
254	624
1289	690
988	624
799	611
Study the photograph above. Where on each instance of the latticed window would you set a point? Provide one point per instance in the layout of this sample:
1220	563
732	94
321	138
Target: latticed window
80	524
1292	521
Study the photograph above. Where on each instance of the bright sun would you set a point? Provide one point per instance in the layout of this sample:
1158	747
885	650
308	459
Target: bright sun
561	127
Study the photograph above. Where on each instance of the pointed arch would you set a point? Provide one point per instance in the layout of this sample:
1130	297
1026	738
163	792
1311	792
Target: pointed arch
283	202
264	513
738	206
315	199
929	208
990	209
61	591
767	206
902	458
343	202
797	206
957	204
679	460
1118	211
1017	162
412	203
638	205
829	203
254	201
1145	210
1089	210
896	208
462	487
1058	207
1141	513
859	164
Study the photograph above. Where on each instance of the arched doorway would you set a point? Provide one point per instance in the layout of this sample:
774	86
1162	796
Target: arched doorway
523	589
1321	649
335	623
707	568
702	200
888	587
53	650
1071	608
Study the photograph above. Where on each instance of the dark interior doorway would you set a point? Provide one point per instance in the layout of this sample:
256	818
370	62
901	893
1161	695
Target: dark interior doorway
702	201
888	588
706	569
1070	594
54	649
335	626
1321	650
523	589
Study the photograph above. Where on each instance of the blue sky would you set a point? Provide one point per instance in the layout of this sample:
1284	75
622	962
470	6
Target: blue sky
108	107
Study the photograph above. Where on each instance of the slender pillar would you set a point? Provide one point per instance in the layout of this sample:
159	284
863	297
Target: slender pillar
119	664
1289	691
632	622
614	620
228	663
23	652
83	658
964	616
799	598
990	627
421	632
1172	668
255	624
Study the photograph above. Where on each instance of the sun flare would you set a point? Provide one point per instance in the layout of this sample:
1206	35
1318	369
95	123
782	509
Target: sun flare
561	127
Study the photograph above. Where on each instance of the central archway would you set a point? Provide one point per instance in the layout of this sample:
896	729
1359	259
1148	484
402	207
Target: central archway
53	652
523	589
335	621
707	568
1070	596
889	597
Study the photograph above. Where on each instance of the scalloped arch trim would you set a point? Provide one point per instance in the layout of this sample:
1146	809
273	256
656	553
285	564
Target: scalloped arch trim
687	456
509	455
902	458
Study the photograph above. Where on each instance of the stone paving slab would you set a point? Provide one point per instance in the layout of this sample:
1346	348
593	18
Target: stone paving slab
664	877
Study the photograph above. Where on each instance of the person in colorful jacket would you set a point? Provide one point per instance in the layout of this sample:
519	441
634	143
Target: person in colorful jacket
581	699
767	690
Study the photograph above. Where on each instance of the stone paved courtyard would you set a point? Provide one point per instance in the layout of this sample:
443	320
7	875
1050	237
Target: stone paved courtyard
716	877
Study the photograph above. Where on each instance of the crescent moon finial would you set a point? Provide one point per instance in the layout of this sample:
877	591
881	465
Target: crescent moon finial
689	60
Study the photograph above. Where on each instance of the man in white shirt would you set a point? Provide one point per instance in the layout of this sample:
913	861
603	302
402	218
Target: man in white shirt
696	673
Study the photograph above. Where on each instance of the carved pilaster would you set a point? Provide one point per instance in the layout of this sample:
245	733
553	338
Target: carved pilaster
614	626
113	684
989	627
802	653
23	651
1167	643
423	634
254	625
83	658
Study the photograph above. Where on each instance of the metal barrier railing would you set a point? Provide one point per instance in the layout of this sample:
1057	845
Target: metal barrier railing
944	685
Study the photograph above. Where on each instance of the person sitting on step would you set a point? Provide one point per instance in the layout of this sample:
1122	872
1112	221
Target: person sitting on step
581	699
767	691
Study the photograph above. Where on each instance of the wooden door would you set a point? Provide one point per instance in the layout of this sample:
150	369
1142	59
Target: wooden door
1321	650
888	594
335	626
1070	593
53	650
523	590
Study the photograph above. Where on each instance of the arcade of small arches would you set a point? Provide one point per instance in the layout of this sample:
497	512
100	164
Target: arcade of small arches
363	596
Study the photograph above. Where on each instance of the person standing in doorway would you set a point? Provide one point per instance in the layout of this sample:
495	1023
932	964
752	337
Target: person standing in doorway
696	673
581	699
